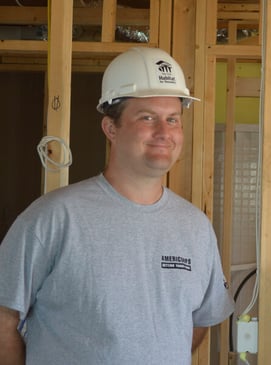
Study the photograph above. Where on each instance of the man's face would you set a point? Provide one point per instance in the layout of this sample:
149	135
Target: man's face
150	136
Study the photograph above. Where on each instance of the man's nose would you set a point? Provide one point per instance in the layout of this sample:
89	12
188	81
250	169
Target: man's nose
162	127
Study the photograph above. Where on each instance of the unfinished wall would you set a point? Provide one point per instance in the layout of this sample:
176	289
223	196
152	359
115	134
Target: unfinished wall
86	137
21	100
21	123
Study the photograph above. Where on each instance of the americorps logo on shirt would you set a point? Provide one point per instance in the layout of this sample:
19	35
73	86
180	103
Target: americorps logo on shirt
176	262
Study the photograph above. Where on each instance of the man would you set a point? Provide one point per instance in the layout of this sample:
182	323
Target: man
117	269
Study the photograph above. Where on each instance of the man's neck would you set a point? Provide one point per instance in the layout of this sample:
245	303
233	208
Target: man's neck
141	191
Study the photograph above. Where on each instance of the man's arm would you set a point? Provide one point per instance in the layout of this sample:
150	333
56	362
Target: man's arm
12	349
198	336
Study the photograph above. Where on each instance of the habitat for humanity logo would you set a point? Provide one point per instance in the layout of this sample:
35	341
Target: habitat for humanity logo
165	72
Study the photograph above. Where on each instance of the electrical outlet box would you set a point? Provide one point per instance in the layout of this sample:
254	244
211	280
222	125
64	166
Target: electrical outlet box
247	336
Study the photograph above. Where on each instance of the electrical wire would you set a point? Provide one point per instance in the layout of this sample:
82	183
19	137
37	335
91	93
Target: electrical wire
236	295
42	149
18	3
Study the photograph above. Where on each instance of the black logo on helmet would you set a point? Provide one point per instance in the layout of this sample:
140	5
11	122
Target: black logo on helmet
165	73
164	66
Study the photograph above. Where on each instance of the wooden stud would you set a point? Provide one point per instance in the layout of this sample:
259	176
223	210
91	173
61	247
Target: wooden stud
23	47
26	15
209	137
232	32
109	20
228	194
165	25
265	260
59	85
240	8
211	24
200	59
261	22
237	15
154	21
208	170
23	15
244	52
183	16
83	49
203	35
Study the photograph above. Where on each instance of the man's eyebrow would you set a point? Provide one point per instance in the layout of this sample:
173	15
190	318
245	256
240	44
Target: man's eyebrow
146	110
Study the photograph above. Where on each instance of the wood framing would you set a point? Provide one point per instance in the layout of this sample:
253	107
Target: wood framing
154	21
165	25
228	195
81	16
183	43
186	29
59	87
109	20
207	52
265	260
203	133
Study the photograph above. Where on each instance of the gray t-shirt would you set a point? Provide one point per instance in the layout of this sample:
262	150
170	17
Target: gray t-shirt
104	281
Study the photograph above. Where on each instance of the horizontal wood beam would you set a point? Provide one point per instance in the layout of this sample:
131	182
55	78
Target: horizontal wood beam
244	51
22	46
79	48
238	7
237	15
28	15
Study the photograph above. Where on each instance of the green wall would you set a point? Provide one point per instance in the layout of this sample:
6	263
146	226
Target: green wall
246	108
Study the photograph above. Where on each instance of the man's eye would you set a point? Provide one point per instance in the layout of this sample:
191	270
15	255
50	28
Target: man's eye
148	118
173	120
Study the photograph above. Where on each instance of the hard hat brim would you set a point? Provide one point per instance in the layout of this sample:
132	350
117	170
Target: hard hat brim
186	99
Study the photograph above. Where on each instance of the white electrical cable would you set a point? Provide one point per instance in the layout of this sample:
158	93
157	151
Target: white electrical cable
66	154
18	3
245	361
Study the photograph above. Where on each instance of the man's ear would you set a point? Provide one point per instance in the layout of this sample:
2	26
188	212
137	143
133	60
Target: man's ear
109	128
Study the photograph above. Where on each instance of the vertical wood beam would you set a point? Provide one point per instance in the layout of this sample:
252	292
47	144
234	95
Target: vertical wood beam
200	57
59	85
198	137
165	25
109	20
183	45
265	261
154	21
261	16
204	125
228	184
208	102
209	136
164	38
228	196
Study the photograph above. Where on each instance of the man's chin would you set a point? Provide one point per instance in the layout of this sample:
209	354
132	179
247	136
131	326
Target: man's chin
160	167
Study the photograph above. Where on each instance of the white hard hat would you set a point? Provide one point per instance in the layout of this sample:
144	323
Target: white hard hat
143	72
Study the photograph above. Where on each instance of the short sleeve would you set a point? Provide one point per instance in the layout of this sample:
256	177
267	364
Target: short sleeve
218	303
24	264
